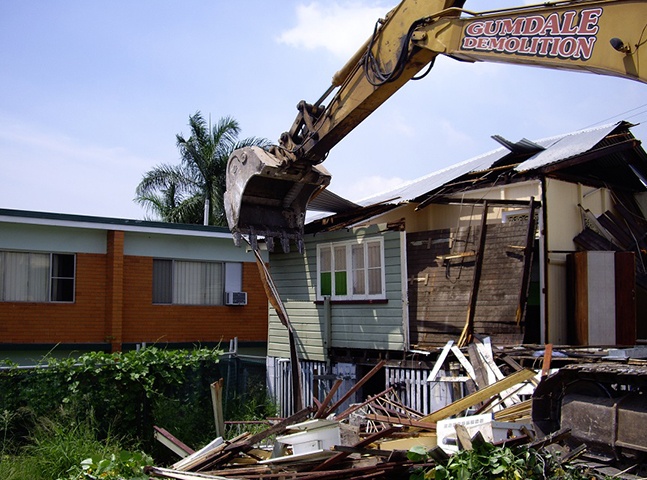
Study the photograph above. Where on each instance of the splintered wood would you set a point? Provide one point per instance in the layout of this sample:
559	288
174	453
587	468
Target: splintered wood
370	439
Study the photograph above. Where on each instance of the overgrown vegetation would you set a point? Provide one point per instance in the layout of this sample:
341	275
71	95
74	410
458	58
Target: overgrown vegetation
92	416
488	462
123	390
54	448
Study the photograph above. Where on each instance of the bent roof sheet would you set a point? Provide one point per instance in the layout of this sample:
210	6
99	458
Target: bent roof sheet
566	146
557	148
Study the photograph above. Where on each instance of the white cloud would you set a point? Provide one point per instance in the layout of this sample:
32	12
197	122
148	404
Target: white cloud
399	123
452	135
66	174
338	28
57	145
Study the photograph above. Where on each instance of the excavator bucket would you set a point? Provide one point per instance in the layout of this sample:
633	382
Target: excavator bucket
267	197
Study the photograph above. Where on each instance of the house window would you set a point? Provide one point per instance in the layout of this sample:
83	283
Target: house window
36	277
351	270
188	282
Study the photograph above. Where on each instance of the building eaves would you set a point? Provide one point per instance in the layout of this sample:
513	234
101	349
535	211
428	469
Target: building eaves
108	223
347	219
328	201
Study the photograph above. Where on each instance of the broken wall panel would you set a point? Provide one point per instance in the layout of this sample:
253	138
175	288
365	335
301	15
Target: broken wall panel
439	276
603	298
441	266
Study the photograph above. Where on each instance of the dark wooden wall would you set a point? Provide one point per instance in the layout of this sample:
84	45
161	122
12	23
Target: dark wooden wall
441	266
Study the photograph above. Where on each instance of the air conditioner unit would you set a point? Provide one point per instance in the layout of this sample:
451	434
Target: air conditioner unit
235	298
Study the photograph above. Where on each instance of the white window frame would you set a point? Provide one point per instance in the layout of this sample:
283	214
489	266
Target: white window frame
350	270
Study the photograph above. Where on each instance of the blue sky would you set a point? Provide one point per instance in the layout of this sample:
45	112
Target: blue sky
93	94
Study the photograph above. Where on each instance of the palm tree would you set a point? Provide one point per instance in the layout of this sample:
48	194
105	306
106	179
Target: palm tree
193	191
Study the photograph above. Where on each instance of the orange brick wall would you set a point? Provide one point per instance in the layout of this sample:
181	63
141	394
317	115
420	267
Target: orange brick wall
93	317
80	322
145	322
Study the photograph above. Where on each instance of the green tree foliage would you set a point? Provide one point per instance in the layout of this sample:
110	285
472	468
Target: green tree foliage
181	193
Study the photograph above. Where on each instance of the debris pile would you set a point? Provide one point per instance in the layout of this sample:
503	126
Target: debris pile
505	404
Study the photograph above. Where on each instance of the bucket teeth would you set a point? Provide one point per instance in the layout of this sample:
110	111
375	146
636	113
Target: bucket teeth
269	241
285	243
267	197
237	238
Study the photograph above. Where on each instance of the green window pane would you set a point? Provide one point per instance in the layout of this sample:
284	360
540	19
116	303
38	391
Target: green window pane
326	283
340	283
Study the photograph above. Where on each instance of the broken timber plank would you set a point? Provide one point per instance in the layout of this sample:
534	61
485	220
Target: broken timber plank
479	396
211	449
355	407
383	470
441	359
463	437
341	455
453	379
206	455
481	376
274	298
169	441
357	386
554	437
484	354
484	349
246	442
515	365
548	356
274	429
322	408
468	329
464	362
400	421
179	475
216	401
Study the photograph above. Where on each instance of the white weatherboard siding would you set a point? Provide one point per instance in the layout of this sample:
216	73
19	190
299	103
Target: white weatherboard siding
375	326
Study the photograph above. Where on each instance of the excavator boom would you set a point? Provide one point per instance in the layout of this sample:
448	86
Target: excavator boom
268	191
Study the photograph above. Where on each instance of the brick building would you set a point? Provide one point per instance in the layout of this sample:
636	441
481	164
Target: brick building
79	282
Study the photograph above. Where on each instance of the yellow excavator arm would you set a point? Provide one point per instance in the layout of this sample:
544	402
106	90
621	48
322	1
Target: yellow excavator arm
268	190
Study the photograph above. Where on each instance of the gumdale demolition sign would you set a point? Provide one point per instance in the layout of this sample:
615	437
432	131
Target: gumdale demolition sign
556	35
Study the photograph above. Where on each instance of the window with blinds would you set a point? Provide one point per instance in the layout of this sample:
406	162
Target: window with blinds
37	277
185	282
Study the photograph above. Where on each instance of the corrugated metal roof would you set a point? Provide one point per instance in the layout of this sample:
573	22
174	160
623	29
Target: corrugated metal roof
565	146
327	201
420	186
557	148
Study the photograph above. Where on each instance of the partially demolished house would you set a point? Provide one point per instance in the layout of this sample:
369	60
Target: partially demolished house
535	242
